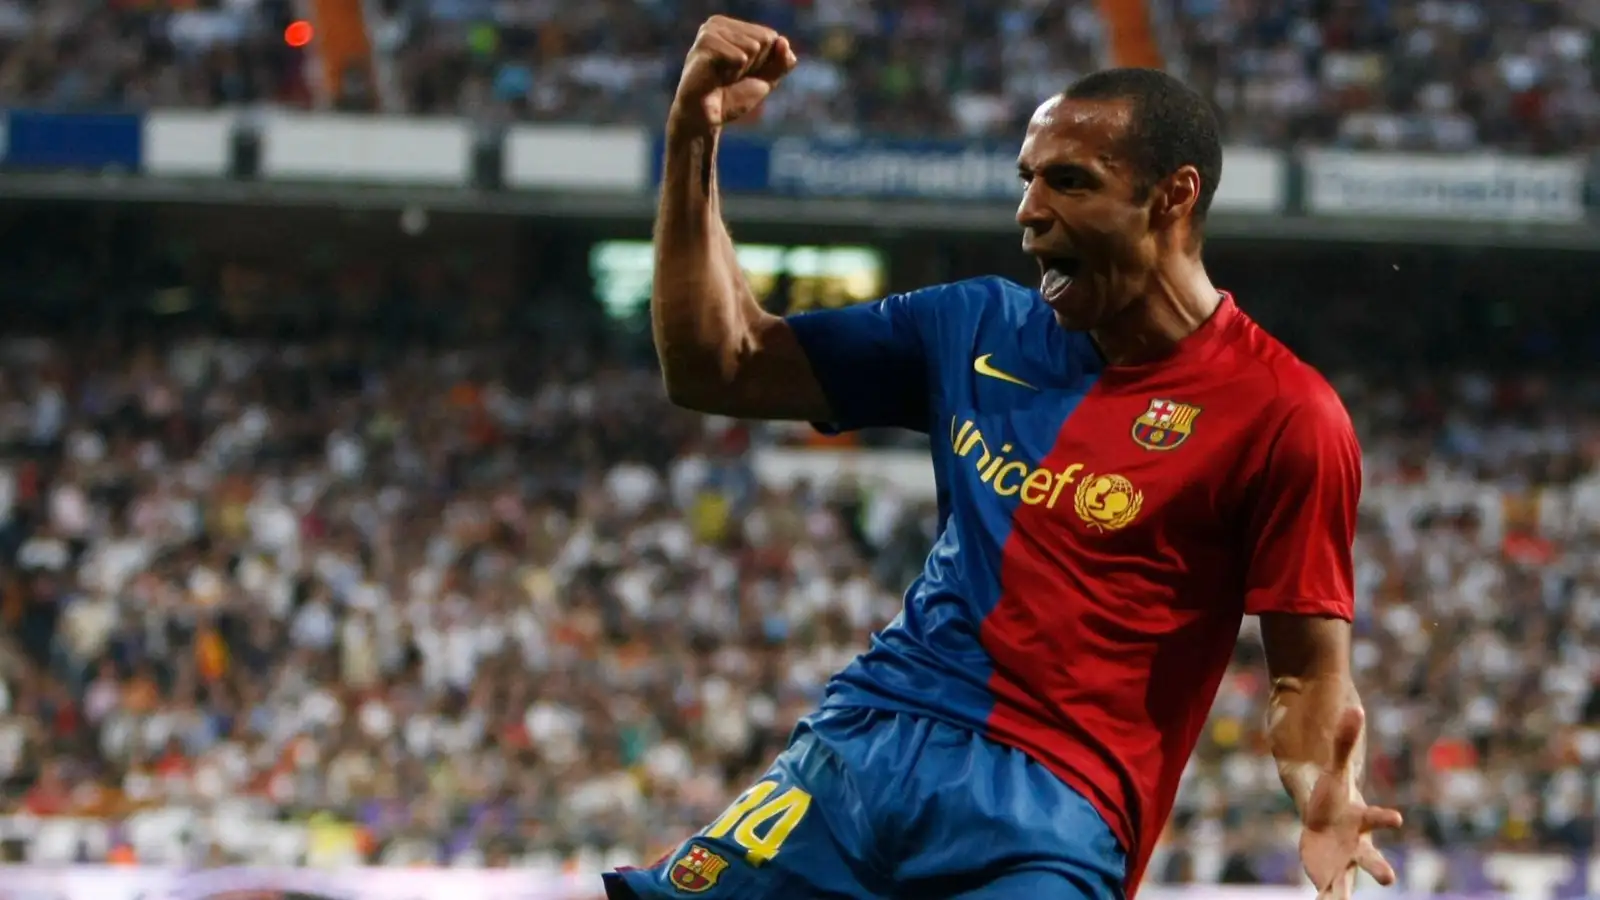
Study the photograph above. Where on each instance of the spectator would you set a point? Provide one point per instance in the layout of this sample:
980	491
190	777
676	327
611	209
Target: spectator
1406	75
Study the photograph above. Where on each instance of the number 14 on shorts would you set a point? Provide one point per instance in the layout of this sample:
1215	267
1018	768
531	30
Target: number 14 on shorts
760	822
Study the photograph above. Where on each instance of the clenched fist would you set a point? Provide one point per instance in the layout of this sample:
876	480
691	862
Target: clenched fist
731	68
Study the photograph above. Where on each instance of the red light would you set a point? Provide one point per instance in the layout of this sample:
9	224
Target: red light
298	34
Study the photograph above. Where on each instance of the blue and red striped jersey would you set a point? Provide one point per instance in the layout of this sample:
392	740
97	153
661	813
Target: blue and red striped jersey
1103	529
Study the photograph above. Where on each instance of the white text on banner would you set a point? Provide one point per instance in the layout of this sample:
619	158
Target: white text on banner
1485	188
1253	181
196	143
369	149
612	159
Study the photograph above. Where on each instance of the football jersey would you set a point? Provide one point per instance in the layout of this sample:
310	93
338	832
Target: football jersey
1103	529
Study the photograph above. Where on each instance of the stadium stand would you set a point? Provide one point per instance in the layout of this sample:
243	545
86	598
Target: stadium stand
419	567
83	56
1403	75
1398	76
412	600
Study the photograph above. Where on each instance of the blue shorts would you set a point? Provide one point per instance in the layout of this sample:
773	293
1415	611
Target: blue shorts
872	804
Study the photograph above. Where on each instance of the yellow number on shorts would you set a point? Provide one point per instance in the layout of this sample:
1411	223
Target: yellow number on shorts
753	810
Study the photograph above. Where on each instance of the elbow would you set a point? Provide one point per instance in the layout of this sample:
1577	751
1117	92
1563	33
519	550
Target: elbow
704	374
690	365
685	393
695	382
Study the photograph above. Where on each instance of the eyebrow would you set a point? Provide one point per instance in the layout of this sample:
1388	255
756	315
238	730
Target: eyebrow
1058	170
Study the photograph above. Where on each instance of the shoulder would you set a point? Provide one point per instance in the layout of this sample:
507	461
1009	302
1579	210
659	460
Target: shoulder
950	317
1302	457
1298	398
931	320
1311	416
1313	433
973	298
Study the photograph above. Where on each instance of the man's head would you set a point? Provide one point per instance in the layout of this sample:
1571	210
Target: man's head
1119	171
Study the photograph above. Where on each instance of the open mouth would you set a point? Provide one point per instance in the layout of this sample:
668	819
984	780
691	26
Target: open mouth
1056	274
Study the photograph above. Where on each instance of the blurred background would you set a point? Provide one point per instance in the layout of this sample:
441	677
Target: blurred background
343	520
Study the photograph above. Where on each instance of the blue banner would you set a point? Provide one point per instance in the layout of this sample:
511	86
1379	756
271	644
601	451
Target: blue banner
1254	180
42	140
805	167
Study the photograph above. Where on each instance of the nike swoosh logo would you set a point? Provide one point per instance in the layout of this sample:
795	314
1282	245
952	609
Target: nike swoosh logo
982	367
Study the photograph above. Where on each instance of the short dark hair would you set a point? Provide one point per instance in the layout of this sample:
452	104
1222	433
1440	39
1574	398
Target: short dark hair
1173	126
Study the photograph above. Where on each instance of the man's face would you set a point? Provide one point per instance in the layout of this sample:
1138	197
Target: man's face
1079	214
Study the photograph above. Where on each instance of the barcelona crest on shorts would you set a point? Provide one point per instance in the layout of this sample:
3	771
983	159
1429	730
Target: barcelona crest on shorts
696	871
1164	425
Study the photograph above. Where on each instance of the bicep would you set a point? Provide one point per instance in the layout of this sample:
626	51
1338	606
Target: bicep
854	367
763	373
871	365
773	379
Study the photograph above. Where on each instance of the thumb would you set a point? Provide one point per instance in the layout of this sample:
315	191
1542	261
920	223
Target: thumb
1347	734
733	101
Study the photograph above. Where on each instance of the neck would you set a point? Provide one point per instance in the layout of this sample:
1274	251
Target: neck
1179	299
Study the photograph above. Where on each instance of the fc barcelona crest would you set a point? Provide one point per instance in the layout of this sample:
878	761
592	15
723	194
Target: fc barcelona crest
1164	425
696	871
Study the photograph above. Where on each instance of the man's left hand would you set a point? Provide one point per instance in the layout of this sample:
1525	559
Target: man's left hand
1336	838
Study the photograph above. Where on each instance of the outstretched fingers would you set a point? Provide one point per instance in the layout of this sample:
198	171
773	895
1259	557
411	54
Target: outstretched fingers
1341	888
1372	862
1378	818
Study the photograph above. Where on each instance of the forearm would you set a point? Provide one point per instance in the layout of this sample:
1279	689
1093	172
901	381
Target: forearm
1302	725
702	310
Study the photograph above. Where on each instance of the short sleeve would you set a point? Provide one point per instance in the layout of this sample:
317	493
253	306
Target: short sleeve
874	360
1304	520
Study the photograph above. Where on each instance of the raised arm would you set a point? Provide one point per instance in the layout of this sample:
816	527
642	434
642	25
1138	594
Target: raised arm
1301	584
720	351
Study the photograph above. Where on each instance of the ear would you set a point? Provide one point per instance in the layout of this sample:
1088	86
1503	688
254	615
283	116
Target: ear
1176	196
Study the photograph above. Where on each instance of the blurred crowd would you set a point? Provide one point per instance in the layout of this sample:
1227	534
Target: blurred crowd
1398	74
95	55
471	616
1446	75
328	602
